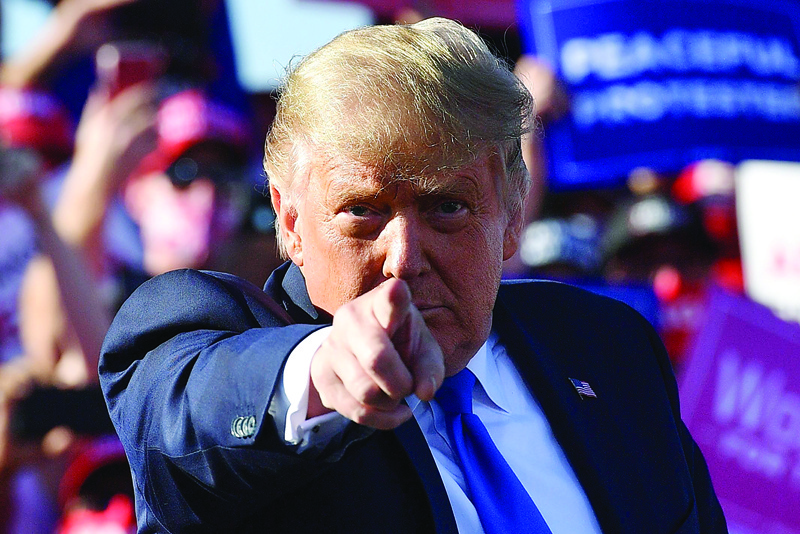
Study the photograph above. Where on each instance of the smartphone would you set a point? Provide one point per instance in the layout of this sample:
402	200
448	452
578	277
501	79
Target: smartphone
18	166
44	408
122	64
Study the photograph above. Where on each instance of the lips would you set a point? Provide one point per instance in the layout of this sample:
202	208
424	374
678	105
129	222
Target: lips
428	310
427	306
429	301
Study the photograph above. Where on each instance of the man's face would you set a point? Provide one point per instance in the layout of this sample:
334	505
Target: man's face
445	235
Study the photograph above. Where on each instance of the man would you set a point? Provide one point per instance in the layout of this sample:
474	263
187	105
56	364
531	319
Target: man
395	172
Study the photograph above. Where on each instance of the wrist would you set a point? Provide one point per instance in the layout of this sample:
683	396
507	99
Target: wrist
315	406
67	18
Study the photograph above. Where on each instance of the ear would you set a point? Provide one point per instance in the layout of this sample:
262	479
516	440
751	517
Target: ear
512	235
287	225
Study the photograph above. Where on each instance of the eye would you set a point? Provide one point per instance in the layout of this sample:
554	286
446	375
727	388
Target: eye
359	220
358	211
450	207
448	215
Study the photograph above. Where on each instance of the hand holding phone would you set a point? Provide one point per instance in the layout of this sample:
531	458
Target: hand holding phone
120	65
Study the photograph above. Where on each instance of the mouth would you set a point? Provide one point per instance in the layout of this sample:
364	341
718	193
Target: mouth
430	309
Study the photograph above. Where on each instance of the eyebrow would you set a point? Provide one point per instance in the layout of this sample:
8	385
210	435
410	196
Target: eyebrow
456	186
346	188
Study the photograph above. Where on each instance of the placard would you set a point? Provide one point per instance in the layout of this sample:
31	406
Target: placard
663	83
768	216
482	13
740	398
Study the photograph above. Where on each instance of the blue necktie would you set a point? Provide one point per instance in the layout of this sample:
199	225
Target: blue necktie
503	505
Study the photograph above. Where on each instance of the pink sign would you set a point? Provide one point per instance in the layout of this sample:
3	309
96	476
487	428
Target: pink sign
495	13
740	395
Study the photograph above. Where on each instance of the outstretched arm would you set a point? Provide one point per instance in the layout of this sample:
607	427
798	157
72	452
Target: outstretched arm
190	369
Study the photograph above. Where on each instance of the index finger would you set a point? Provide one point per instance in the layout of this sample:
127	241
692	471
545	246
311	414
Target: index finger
391	305
421	354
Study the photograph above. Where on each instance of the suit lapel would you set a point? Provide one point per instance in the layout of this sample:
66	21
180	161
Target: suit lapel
576	423
410	436
551	337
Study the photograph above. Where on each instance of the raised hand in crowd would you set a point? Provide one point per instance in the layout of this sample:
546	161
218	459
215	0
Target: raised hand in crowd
62	309
75	27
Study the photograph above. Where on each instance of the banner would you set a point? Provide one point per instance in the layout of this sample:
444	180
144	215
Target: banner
740	397
664	83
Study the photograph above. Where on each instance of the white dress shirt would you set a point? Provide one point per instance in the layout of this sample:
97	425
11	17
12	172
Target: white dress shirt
511	415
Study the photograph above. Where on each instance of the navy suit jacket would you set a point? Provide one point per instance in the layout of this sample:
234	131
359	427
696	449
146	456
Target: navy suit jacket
189	369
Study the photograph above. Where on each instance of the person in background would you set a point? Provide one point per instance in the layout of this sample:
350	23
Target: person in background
188	197
36	138
62	319
89	250
176	170
36	134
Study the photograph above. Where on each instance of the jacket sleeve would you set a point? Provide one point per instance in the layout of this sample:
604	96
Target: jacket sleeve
188	369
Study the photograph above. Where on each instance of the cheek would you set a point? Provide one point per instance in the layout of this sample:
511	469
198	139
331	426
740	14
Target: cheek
477	255
470	268
477	283
337	269
482	265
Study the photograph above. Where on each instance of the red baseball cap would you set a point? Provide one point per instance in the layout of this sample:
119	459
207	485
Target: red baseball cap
35	119
189	118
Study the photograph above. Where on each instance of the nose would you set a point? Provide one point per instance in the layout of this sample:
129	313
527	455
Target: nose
403	242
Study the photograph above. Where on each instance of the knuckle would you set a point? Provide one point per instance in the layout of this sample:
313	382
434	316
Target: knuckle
367	392
379	362
360	414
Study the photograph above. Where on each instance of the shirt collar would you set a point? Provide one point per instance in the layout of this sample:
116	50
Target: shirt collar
484	366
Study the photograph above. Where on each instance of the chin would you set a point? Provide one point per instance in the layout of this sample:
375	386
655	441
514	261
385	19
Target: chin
457	348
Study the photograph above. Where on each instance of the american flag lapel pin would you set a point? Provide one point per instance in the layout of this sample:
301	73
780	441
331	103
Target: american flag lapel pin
583	388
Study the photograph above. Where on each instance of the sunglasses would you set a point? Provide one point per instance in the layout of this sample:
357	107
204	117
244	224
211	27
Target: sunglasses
186	169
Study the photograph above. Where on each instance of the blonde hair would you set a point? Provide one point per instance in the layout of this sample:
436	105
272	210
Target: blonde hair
415	99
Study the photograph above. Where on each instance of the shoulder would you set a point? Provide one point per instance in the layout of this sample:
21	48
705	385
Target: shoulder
186	301
566	319
548	298
201	299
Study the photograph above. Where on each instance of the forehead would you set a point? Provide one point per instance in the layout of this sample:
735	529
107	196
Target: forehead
341	176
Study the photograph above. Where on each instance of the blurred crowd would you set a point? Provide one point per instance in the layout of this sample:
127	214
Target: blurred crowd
154	169
128	149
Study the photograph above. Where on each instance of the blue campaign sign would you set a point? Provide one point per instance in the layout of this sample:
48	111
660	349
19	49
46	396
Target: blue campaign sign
663	83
